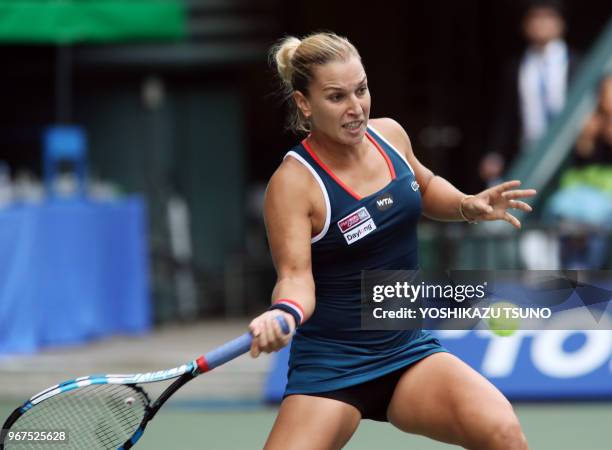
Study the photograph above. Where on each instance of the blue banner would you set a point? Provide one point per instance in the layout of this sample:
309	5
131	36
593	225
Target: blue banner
539	365
529	365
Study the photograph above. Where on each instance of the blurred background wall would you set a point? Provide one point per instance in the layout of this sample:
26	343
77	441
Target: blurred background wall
195	125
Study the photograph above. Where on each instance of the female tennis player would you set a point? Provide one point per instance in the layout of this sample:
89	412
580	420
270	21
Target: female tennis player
347	199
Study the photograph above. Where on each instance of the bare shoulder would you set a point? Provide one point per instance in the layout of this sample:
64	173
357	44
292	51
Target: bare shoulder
290	186
394	133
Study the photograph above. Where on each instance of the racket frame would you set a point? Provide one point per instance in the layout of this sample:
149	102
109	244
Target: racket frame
184	373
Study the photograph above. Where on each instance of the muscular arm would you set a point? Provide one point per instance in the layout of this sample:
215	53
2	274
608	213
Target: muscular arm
441	199
287	211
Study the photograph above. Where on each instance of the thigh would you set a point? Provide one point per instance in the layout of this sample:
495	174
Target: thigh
312	423
443	398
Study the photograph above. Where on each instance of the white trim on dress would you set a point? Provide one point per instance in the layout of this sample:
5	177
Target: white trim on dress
314	173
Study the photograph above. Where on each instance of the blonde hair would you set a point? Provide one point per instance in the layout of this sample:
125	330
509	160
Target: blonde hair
295	59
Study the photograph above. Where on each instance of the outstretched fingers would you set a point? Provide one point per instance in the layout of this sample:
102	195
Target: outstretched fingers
518	193
506	186
517	204
512	220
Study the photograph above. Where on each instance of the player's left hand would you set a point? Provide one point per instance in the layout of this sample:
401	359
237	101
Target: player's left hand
494	203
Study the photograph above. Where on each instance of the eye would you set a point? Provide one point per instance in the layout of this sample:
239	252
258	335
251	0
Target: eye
335	97
362	90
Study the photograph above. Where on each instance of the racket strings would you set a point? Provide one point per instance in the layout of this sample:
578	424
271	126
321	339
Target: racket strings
94	417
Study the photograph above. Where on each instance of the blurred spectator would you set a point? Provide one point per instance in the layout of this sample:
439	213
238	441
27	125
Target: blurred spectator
594	145
533	90
584	201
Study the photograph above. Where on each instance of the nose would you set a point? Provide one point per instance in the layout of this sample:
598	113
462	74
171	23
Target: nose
355	106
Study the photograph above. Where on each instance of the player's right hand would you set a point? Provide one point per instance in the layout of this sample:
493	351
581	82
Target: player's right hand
267	334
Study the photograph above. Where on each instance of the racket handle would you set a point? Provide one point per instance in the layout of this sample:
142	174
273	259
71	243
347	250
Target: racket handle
283	324
232	349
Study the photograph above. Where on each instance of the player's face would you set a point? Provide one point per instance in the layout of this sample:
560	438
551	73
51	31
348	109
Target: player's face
338	101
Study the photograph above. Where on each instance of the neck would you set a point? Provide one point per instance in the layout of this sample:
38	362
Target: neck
334	152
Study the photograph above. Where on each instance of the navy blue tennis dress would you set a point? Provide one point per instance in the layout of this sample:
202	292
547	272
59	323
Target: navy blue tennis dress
330	351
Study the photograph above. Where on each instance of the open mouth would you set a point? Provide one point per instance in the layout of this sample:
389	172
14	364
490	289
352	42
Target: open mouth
354	125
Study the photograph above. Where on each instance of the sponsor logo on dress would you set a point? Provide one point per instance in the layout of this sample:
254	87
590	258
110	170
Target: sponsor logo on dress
415	185
359	232
353	219
384	202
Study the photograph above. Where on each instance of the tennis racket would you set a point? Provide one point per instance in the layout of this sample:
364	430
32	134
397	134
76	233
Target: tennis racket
105	411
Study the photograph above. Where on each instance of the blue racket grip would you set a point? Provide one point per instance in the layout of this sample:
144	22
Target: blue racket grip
235	348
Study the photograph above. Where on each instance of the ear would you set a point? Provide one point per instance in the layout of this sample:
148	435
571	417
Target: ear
302	103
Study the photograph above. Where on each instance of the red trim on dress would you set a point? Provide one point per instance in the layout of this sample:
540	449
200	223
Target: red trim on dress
338	180
384	154
328	170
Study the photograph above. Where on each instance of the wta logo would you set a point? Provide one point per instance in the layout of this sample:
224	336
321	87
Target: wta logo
384	202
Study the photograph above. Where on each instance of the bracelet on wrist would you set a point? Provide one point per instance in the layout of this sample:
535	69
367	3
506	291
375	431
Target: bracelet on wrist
461	213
